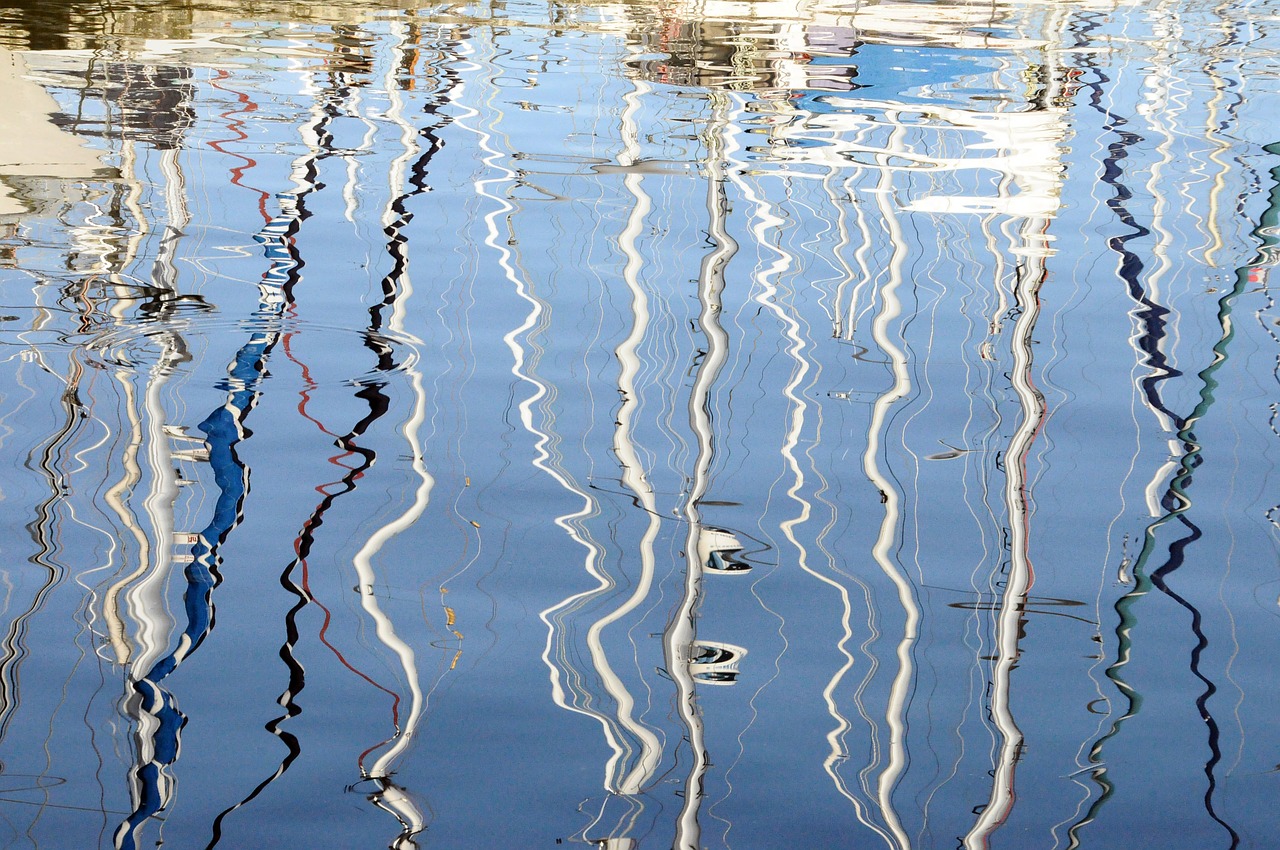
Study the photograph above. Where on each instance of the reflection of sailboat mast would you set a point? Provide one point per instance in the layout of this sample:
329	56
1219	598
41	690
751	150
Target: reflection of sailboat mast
1009	621
633	474
283	274
616	725
1177	503
1030	246
620	776
891	308
679	637
153	709
223	428
397	289
41	530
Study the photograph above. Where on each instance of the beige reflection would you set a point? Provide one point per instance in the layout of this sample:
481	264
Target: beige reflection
149	447
32	146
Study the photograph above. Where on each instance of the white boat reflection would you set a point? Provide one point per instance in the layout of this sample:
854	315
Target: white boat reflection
718	550
715	663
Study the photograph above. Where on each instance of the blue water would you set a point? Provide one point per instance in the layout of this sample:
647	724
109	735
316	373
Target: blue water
715	425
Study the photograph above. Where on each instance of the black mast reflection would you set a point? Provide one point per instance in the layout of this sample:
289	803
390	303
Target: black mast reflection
280	247
1176	500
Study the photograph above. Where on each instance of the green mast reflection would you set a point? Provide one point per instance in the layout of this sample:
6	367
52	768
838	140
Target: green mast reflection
1177	502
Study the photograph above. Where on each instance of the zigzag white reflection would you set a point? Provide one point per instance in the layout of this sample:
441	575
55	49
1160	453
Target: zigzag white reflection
618	777
766	296
391	797
633	475
1025	153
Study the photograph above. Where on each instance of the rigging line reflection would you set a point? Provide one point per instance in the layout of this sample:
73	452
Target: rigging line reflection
48	460
56	459
1164	122
1177	500
1152	315
235	126
303	544
388	794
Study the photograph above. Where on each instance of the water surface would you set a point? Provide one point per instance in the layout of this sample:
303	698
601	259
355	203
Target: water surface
710	425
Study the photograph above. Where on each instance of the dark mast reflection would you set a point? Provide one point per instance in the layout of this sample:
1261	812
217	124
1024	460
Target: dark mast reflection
279	239
1176	500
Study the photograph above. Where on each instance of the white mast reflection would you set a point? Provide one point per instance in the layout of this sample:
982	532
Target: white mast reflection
1017	497
685	657
390	796
632	781
882	550
145	598
620	777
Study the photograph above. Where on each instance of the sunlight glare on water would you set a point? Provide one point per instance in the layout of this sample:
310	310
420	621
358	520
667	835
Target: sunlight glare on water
695	425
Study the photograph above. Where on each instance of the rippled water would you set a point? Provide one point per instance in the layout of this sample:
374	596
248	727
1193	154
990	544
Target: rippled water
703	425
